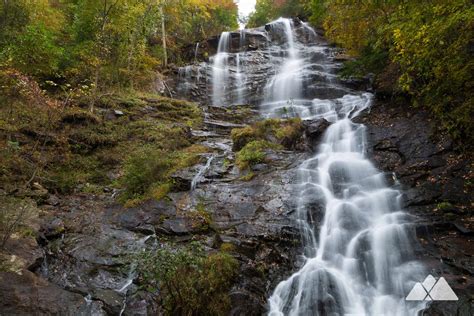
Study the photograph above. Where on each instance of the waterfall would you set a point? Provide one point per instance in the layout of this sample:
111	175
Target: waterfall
286	85
220	70
360	260
239	79
185	80
356	239
196	52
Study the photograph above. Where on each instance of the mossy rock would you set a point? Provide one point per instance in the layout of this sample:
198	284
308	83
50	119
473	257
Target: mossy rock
284	132
79	116
254	153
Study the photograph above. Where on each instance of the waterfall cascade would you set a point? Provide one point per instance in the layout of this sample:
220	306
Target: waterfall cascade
220	70
358	257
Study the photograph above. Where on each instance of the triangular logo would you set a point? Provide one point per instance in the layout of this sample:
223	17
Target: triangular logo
417	293
441	291
432	290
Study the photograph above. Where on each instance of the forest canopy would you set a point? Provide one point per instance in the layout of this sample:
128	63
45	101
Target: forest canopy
104	42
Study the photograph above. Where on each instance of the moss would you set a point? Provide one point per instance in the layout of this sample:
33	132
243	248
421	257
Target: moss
289	132
75	115
201	219
444	206
92	188
284	132
227	247
253	153
249	176
242	136
147	171
85	139
66	149
160	191
76	170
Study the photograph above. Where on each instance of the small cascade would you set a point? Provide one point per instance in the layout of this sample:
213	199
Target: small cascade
242	39
239	80
286	85
44	268
197	178
196	49
132	273
185	79
220	70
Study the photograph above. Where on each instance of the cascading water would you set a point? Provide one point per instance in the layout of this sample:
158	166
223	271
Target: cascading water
240	79
360	264
184	74
287	83
197	178
220	70
196	49
357	249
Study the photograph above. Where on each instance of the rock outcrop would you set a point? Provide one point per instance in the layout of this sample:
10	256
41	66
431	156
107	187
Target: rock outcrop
436	180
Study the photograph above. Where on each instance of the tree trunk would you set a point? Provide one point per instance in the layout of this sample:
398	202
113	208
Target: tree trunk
163	36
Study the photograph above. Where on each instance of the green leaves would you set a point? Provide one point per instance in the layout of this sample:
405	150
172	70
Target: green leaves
111	43
190	281
422	50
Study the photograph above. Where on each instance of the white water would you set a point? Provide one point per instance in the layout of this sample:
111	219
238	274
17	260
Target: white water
197	178
132	273
287	83
220	70
240	80
359	261
357	251
196	49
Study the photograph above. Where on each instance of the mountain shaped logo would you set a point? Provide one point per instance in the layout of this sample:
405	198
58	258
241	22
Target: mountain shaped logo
432	290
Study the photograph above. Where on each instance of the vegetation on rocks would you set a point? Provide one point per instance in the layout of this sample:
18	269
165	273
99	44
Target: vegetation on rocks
64	146
283	132
253	153
189	281
14	213
251	142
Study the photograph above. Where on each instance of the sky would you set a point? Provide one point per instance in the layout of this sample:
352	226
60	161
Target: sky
245	7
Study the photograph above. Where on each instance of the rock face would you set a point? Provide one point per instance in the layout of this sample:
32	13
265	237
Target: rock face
88	241
256	56
436	181
27	294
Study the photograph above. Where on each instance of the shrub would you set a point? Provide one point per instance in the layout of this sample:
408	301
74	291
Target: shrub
147	171
144	168
190	282
253	153
14	213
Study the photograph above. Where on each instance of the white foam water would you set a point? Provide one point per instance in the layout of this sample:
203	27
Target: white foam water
357	249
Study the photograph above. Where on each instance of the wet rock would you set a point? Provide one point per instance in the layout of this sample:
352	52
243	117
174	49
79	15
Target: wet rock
245	303
429	172
112	300
52	229
48	299
182	178
314	129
